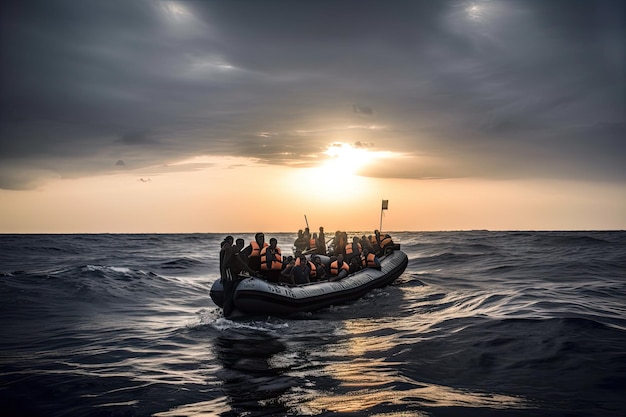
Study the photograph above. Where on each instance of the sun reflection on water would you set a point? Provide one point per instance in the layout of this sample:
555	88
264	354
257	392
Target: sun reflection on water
367	382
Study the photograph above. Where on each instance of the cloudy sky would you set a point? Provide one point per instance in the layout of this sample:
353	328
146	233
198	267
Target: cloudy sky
481	107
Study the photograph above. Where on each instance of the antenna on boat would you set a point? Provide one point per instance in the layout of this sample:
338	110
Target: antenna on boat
306	221
385	206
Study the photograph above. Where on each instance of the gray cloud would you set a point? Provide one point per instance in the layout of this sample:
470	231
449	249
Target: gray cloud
512	89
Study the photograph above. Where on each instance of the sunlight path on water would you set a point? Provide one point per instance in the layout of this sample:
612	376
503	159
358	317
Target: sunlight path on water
367	384
365	369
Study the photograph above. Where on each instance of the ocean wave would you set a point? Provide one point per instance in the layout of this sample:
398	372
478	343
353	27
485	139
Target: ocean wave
569	239
180	263
116	272
224	324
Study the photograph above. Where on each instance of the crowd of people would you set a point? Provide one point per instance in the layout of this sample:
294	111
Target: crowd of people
265	260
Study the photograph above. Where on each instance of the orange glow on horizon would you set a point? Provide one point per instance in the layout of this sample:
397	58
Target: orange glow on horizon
236	195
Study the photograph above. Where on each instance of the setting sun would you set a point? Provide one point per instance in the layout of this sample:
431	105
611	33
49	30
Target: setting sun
348	159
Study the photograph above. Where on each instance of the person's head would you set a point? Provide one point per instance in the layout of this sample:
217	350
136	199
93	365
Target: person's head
302	260
273	242
228	241
340	258
300	233
321	229
355	239
239	243
314	235
260	238
317	260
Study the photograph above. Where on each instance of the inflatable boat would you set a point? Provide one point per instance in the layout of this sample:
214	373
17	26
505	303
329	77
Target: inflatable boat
257	296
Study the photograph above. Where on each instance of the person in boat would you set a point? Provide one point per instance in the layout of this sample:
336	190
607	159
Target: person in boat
307	237
300	244
241	263
224	249
366	244
343	241
353	250
231	266
339	243
354	265
271	261
297	272
370	260
231	262
321	244
286	274
313	244
252	253
338	268
375	240
287	260
385	241
320	269
312	267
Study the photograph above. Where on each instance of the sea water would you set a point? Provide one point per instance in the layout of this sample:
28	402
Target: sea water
480	324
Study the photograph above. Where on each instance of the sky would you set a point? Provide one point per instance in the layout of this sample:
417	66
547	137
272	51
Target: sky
149	116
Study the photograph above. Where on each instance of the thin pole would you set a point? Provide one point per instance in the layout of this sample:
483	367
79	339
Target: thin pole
306	221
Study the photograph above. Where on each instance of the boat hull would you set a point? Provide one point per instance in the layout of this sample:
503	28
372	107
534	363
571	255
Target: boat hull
257	296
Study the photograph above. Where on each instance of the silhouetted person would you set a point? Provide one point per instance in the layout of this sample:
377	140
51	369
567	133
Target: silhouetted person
297	272
271	261
320	269
321	247
353	249
300	244
338	269
370	260
252	253
228	261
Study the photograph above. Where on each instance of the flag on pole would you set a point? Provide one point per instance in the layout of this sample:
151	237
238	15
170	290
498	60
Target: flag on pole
385	205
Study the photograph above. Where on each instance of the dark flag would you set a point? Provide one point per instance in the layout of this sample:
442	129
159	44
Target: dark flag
385	205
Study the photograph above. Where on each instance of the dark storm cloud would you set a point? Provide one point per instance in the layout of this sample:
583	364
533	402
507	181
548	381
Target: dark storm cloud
505	89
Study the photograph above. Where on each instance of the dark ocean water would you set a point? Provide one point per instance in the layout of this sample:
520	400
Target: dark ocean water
480	324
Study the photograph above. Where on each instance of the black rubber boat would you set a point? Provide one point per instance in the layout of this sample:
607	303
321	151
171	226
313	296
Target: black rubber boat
257	296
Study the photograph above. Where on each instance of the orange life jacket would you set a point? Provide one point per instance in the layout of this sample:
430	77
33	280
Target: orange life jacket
369	261
385	241
349	248
276	263
256	249
312	268
334	268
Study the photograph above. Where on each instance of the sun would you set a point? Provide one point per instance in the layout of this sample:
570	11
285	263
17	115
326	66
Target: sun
347	159
350	160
